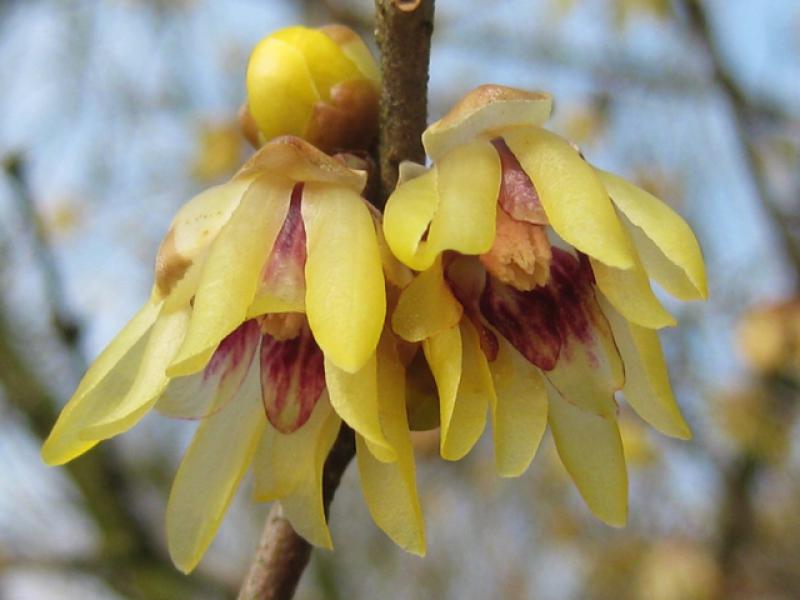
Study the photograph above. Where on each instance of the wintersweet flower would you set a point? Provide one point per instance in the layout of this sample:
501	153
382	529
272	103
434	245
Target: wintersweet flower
318	84
266	323
533	297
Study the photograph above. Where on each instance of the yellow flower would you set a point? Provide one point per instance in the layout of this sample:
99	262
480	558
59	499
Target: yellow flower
266	322
318	84
533	297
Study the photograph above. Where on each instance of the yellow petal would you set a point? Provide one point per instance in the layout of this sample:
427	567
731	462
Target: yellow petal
354	397
288	467
630	292
109	378
220	453
519	415
345	289
465	387
165	339
572	195
426	306
391	489
354	48
230	275
647	388
280	89
591	449
666	244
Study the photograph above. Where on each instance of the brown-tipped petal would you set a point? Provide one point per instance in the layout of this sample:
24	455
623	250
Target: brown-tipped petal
349	120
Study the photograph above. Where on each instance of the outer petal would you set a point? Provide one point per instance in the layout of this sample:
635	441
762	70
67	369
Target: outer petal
345	289
573	197
210	472
629	291
288	467
666	244
390	489
591	449
647	388
463	412
165	339
426	306
354	396
109	377
202	394
519	415
230	275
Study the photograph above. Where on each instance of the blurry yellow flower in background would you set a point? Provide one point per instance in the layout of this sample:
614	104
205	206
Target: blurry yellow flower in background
319	84
270	298
219	151
768	337
533	297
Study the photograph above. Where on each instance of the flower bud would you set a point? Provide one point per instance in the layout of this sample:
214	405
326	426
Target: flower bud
318	84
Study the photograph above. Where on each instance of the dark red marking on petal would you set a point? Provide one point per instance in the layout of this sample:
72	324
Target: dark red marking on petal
466	278
237	346
287	261
518	196
542	323
292	379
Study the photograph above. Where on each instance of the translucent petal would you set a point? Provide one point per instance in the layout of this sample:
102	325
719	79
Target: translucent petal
230	274
210	472
591	449
630	292
165	339
288	467
573	197
519	415
426	306
108	379
202	394
280	89
647	387
672	257
345	289
354	397
390	489
465	387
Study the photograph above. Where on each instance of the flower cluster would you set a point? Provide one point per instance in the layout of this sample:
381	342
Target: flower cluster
511	277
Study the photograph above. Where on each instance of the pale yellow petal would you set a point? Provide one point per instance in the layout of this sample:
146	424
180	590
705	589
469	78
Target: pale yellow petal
288	467
426	306
107	380
217	459
390	489
354	397
572	195
230	275
666	244
647	387
519	415
345	289
591	449
630	292
151	380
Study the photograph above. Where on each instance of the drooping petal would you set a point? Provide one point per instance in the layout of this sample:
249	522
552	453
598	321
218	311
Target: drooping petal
573	197
288	467
630	292
230	274
666	244
354	397
465	387
202	394
390	489
591	449
519	415
426	306
292	379
165	338
345	289
109	378
214	464
647	387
